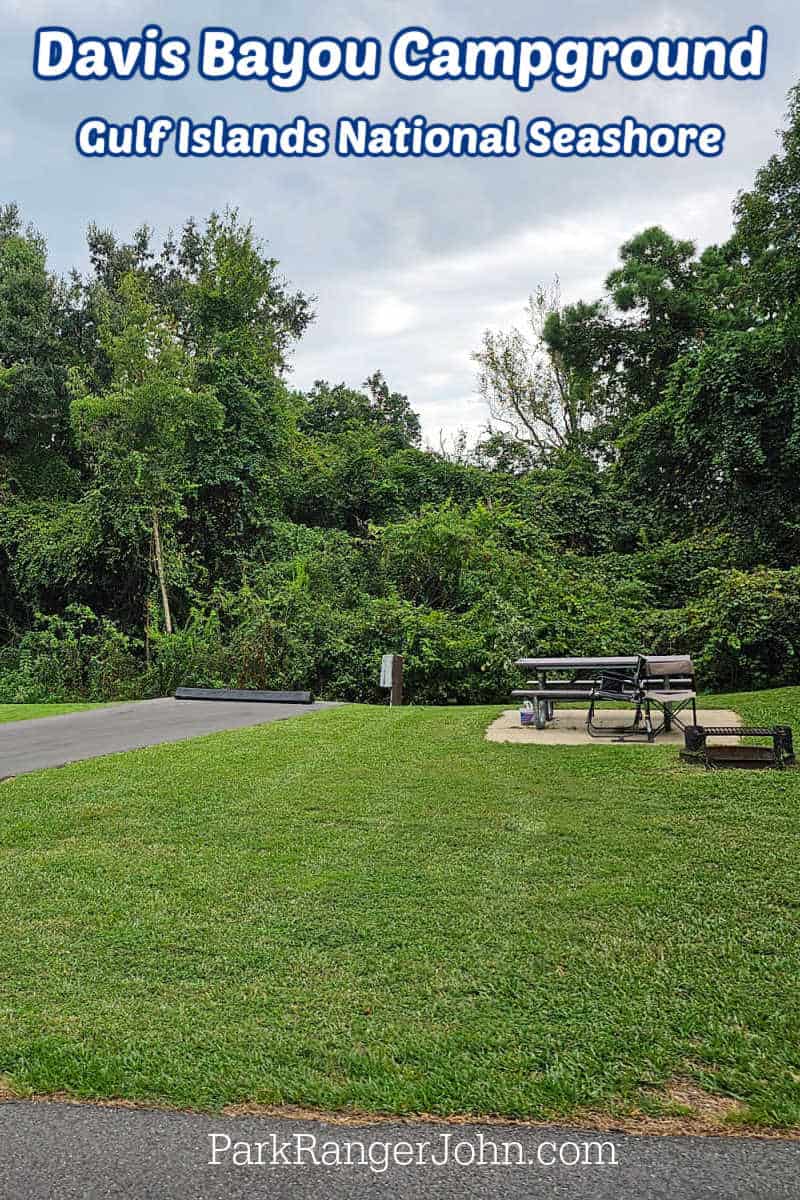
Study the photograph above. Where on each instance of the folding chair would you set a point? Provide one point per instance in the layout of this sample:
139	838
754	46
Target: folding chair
666	682
672	689
619	685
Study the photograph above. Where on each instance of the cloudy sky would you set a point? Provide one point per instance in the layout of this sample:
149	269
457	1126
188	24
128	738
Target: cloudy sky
409	259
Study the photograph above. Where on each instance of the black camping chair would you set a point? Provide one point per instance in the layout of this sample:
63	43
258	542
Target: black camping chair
652	682
624	686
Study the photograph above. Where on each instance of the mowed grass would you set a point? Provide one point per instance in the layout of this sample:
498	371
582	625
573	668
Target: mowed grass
26	712
377	909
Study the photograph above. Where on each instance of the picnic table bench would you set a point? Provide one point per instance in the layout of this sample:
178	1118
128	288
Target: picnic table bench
666	681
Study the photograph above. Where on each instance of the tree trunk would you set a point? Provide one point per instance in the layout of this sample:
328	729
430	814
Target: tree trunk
162	583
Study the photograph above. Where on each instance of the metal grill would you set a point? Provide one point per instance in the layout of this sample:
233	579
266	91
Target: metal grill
780	754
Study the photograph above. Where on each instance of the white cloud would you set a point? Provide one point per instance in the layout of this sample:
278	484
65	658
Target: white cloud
388	314
28	11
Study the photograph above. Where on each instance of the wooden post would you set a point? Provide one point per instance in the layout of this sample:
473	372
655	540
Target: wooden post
396	694
392	677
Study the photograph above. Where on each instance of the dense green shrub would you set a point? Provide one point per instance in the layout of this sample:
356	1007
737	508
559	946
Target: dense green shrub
459	594
676	572
743	631
52	549
77	656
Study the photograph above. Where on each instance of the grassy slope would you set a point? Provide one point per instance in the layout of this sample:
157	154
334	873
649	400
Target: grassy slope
25	712
377	908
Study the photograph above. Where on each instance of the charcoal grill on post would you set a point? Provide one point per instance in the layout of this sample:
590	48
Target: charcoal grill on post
779	754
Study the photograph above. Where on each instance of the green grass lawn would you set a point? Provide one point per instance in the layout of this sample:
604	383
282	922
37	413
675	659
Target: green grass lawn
25	712
375	908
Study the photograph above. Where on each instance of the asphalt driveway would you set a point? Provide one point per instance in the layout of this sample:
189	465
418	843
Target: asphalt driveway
82	1152
54	741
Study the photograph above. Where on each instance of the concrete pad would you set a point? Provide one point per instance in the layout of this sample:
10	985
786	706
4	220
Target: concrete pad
569	728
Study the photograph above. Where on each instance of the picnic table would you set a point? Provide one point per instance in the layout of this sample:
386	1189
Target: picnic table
665	680
669	663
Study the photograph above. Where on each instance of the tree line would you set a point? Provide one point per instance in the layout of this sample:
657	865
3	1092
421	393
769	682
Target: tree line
173	510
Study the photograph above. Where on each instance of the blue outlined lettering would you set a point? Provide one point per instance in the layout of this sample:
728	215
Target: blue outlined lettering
414	137
145	137
406	137
220	138
141	138
286	64
628	138
57	52
571	63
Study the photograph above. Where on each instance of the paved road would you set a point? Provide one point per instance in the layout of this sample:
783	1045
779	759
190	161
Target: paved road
78	1152
53	741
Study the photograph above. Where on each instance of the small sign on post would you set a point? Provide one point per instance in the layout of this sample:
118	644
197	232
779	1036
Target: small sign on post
392	677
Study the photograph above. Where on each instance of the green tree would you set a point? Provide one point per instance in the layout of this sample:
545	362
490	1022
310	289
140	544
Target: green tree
722	444
141	428
723	447
655	290
215	278
232	312
329	411
765	239
34	413
653	310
